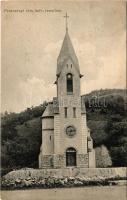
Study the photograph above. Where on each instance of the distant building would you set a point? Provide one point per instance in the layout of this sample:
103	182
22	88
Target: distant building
66	140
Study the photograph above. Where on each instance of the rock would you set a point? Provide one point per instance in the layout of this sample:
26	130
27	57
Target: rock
65	180
29	178
26	183
50	181
121	182
62	182
18	181
42	182
71	178
76	182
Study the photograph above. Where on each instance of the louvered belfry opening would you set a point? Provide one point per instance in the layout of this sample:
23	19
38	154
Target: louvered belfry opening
69	83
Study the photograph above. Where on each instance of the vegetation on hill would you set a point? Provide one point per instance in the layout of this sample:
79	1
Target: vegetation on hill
106	118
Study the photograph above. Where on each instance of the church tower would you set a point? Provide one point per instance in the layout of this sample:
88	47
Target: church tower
66	140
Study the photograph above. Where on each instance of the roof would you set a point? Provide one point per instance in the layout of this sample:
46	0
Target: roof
49	110
66	51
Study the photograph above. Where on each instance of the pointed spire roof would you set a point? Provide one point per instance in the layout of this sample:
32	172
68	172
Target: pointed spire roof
67	51
48	111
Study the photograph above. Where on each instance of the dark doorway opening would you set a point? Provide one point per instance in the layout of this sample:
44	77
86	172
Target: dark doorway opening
70	157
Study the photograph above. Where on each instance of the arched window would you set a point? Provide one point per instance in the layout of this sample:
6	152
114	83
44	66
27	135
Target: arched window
69	83
70	157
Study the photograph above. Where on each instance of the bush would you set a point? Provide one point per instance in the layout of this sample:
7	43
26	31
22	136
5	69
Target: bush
103	158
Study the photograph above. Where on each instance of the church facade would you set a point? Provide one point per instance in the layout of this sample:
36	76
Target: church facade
66	140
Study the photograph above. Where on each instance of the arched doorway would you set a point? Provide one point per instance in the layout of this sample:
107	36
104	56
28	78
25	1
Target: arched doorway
70	157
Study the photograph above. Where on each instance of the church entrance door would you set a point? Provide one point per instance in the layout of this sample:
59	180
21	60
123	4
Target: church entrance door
70	157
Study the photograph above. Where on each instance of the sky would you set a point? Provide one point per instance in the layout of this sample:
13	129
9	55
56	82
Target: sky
31	43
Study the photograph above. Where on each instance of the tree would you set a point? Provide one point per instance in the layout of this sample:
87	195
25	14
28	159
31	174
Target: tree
103	158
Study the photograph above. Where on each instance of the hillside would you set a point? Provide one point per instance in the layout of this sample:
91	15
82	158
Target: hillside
106	118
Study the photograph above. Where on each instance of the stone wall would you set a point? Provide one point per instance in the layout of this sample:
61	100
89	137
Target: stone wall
82	160
47	161
68	172
59	161
92	159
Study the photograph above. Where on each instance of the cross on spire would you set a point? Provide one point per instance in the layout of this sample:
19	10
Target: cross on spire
66	17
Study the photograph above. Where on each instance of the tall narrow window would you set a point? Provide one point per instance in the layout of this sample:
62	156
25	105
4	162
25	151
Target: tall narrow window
69	83
65	112
74	112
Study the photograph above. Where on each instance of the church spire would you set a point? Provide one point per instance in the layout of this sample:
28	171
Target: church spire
67	51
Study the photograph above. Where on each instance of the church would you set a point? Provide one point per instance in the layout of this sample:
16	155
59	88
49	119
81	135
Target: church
66	140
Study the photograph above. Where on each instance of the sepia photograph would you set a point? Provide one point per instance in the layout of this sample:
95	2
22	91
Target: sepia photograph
63	100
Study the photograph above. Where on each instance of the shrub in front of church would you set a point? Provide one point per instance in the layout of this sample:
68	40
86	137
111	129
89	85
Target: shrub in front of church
103	158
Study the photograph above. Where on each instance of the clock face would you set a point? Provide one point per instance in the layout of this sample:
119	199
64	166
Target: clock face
70	131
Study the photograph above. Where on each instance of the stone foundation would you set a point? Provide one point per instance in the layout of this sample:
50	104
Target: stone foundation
82	160
59	161
53	161
47	161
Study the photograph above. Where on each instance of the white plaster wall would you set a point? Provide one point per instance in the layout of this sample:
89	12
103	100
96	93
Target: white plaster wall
47	123
48	142
92	161
57	139
84	133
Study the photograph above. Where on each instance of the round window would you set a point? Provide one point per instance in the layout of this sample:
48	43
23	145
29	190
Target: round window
70	131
